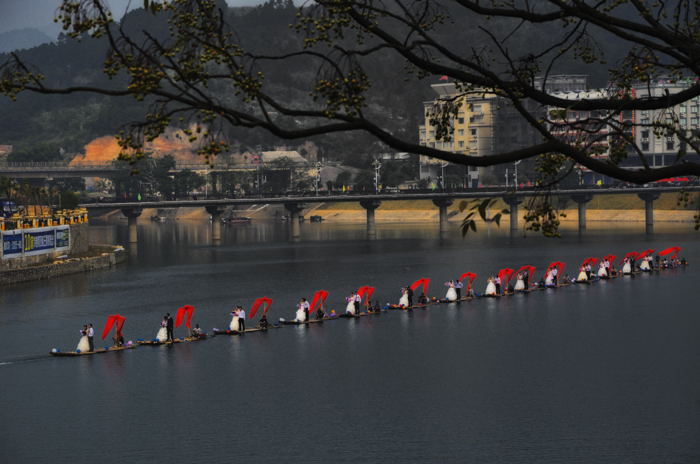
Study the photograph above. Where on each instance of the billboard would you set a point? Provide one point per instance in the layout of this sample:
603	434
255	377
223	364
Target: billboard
36	241
11	243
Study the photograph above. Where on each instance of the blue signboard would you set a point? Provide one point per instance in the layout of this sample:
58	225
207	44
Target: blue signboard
37	241
11	244
62	238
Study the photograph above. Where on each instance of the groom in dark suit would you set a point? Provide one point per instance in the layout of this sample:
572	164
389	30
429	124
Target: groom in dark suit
169	327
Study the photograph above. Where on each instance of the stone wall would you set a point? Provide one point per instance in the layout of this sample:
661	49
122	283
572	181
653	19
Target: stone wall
64	267
79	239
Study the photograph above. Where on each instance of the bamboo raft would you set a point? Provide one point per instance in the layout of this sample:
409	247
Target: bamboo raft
111	349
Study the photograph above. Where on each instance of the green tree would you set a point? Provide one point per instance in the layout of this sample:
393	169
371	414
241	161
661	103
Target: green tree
186	181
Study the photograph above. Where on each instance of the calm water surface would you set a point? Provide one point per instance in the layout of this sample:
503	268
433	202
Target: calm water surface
605	373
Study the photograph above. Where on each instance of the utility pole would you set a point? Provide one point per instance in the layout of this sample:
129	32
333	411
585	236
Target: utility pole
516	173
318	175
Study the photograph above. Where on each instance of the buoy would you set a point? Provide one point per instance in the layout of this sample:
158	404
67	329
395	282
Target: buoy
54	350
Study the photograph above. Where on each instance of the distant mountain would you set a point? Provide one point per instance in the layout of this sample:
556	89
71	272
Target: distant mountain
20	39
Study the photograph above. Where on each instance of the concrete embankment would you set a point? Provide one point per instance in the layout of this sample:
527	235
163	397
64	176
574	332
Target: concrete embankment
96	257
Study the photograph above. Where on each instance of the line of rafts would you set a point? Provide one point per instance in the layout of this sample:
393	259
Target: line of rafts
359	303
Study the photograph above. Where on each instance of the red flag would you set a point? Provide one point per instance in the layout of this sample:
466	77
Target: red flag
590	261
319	297
256	304
645	253
631	254
610	258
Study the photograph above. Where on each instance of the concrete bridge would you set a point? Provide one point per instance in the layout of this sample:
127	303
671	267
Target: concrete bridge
294	204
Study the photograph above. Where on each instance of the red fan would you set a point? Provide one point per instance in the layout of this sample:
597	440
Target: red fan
645	253
631	254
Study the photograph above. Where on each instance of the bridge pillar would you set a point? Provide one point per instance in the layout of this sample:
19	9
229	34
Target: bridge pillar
132	215
649	198
581	199
295	227
216	212
442	204
370	206
512	201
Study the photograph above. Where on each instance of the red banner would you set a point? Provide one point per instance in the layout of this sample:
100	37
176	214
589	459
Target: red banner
530	272
631	254
505	275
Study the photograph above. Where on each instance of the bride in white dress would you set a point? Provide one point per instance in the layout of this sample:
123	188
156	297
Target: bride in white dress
403	301
234	321
602	272
519	283
490	288
162	334
549	280
582	276
300	314
644	265
350	308
627	267
83	344
451	292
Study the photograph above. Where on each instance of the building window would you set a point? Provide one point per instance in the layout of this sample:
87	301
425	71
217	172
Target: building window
669	144
460	121
645	146
461	144
683	109
693	109
432	133
460	131
645	134
473	132
645	120
431	144
694	121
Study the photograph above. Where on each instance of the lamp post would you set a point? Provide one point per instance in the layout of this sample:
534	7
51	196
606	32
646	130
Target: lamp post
442	174
377	166
318	175
515	177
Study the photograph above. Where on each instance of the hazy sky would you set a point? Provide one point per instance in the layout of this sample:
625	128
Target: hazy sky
18	14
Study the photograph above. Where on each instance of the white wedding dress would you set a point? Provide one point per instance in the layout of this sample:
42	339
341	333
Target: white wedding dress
549	280
301	316
582	276
350	308
162	334
627	268
83	344
234	324
403	301
519	285
644	265
602	272
451	294
490	289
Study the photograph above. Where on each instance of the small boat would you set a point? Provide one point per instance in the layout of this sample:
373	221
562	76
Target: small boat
237	220
56	352
155	341
216	331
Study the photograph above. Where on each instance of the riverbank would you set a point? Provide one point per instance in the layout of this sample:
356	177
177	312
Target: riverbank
95	258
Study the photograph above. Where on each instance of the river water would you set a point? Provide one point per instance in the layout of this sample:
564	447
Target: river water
605	373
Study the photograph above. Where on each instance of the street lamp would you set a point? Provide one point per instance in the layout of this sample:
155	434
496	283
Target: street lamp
442	174
318	175
515	177
377	166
